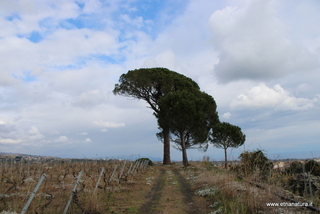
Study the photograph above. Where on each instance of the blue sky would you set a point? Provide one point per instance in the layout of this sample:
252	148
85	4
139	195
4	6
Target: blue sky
60	60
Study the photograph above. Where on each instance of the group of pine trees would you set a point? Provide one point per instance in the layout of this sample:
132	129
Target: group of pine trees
185	115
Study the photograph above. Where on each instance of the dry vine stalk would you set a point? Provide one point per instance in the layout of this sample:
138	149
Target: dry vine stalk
60	181
49	201
13	182
76	200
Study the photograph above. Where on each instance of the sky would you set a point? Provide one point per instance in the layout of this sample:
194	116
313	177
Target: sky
60	61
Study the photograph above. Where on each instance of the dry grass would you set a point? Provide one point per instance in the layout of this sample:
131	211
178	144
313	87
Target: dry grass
229	194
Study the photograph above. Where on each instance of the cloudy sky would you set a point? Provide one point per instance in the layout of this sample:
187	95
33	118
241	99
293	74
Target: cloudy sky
60	60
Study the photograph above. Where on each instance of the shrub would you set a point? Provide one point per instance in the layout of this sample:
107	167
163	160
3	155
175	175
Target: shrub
150	163
313	167
295	168
254	162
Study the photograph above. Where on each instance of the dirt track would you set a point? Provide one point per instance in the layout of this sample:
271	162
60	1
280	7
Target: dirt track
170	193
159	190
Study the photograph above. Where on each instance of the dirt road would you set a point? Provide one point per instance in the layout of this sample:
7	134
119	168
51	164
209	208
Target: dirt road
160	190
170	193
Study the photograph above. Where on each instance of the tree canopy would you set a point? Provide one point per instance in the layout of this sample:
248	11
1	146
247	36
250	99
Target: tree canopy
225	135
151	84
189	115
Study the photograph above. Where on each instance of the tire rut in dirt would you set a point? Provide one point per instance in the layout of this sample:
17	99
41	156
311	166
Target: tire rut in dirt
187	193
154	195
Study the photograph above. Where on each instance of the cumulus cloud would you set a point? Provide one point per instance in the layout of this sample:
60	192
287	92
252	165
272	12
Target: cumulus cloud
226	115
35	134
26	15
62	139
253	43
61	59
59	44
276	98
90	99
84	42
107	124
165	59
10	141
12	134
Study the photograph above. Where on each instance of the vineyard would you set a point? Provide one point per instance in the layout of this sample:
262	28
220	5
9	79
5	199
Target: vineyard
64	186
123	186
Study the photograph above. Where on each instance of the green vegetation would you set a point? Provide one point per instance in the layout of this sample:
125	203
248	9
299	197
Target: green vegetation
150	163
295	168
225	135
151	84
189	115
254	162
310	166
185	115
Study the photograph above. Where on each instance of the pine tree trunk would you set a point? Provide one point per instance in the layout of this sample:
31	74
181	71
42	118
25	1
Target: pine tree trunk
225	158
166	148
184	151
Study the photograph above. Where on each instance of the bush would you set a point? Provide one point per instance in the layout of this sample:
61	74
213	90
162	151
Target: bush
313	167
150	163
254	162
295	168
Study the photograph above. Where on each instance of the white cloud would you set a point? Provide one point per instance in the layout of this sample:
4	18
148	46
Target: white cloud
108	124
226	115
87	140
83	42
276	98
34	134
33	131
92	6
14	136
62	139
10	141
57	90
27	14
165	59
90	99
253	43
